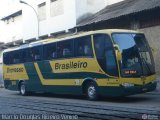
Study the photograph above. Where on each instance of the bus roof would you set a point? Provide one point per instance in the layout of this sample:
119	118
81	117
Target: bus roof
66	37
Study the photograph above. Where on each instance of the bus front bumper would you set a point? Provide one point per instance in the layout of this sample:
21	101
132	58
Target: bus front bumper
126	91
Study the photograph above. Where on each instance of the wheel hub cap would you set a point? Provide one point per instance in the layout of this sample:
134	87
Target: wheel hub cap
91	91
23	89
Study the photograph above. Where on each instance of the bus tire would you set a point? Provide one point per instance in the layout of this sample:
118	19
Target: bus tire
22	89
91	91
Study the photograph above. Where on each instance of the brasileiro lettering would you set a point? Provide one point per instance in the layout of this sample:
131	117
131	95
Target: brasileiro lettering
71	65
11	70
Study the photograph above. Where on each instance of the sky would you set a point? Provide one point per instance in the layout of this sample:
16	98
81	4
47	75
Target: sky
11	6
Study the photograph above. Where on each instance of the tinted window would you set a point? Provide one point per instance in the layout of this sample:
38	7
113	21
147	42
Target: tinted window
65	49
24	53
136	55
35	53
14	57
83	47
105	54
6	58
50	51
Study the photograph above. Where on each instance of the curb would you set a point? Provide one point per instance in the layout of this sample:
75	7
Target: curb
156	92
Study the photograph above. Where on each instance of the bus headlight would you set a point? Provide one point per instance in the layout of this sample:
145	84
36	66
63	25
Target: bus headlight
127	85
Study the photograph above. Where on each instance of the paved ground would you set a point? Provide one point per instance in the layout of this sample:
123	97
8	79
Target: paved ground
50	107
77	107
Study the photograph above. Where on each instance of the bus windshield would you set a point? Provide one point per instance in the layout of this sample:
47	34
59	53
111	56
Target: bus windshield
137	59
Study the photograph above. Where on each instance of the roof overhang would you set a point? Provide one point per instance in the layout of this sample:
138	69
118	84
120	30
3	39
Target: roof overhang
18	13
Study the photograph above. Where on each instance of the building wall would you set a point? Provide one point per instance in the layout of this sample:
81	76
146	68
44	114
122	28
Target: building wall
52	23
94	6
11	29
56	16
109	2
153	37
1	31
84	8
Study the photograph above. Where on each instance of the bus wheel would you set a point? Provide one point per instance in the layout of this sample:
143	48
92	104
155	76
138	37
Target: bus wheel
22	89
91	91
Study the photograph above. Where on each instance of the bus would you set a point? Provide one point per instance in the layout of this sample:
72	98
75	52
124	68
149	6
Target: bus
109	62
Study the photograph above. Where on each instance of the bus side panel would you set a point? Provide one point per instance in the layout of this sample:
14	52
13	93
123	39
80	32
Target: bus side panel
55	82
12	74
121	91
34	84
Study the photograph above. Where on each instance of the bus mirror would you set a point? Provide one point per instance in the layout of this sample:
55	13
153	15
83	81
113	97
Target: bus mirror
118	53
116	47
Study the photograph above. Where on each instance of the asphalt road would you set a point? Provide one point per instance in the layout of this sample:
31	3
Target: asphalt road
49	106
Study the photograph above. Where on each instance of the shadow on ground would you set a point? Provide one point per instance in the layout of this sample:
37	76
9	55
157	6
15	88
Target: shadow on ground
129	99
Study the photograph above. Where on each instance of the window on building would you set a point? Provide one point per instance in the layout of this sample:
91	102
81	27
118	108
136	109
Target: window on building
65	49
50	51
83	47
7	21
42	11
56	8
12	19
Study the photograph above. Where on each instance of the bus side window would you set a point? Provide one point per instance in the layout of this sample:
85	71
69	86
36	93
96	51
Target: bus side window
24	55
65	49
105	54
50	51
36	53
15	57
6	58
87	50
83	47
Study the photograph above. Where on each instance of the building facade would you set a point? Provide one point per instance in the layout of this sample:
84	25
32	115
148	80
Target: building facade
11	30
53	16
